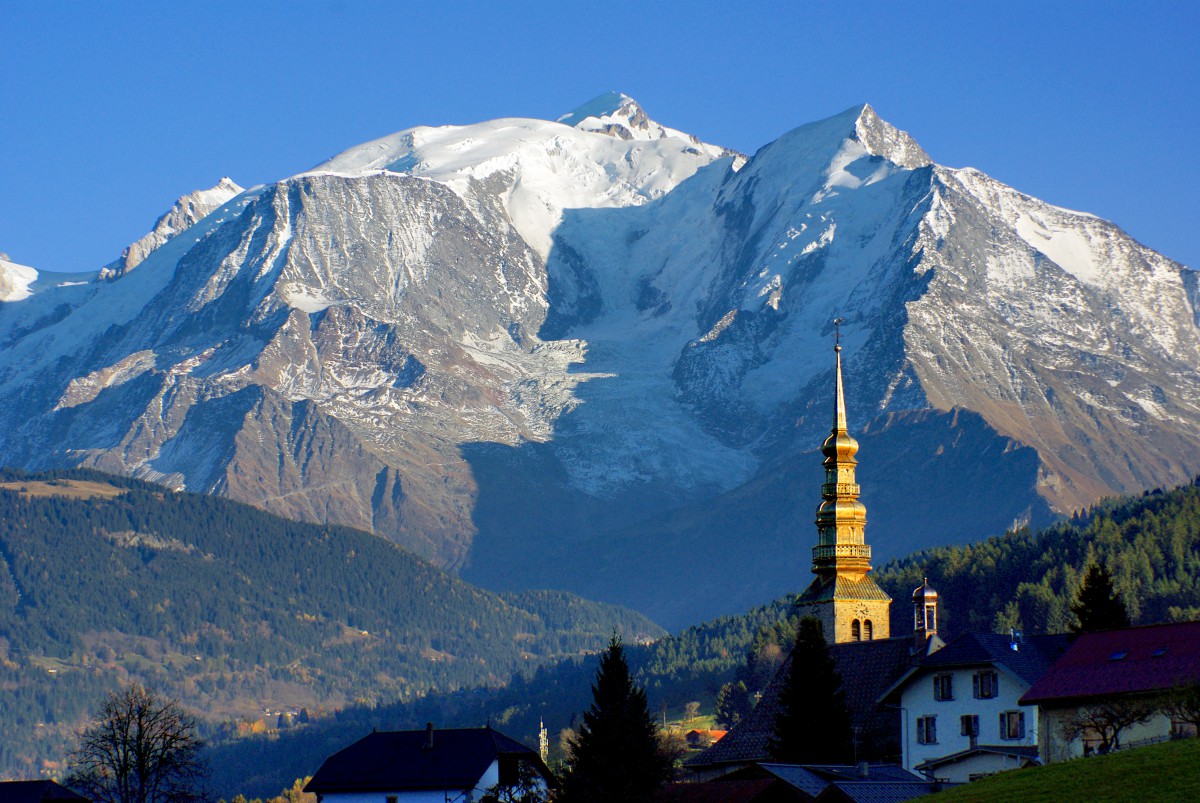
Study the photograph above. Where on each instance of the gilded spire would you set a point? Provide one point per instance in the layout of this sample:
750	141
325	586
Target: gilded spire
849	604
839	404
841	518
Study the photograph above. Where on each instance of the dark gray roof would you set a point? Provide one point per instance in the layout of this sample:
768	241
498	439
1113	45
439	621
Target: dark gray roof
400	761
877	791
1029	752
867	668
36	792
1029	661
813	778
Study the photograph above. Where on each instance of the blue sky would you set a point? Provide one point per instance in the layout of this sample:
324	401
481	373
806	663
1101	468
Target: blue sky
110	111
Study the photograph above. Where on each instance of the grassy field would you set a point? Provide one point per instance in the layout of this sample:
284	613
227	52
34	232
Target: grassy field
1168	771
72	489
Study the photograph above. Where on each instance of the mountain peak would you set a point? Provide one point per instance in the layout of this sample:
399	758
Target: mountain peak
618	115
608	104
883	139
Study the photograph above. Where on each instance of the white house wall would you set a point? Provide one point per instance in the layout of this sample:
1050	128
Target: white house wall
1055	747
917	701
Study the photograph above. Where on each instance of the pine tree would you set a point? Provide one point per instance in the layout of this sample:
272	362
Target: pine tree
733	704
615	756
1099	607
813	723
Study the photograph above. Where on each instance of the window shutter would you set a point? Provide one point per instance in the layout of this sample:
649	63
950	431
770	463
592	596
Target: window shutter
1003	730
975	685
1021	725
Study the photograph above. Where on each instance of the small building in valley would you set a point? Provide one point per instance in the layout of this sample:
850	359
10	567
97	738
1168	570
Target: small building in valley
428	766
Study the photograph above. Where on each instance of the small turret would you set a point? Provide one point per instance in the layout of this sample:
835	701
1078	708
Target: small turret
925	614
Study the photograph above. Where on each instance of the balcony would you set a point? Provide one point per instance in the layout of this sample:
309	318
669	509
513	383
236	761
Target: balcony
842	551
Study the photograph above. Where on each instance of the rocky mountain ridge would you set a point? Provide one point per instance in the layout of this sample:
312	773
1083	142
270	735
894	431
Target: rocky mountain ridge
575	356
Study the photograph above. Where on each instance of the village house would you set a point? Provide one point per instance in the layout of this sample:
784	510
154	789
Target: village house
961	718
428	766
1105	676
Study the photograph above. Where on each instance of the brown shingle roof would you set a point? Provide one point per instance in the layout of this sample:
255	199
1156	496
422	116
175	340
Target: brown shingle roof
822	590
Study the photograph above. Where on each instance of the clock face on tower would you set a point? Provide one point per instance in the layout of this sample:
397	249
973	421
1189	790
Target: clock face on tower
862	612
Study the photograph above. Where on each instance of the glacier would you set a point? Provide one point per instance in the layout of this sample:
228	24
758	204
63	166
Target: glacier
594	353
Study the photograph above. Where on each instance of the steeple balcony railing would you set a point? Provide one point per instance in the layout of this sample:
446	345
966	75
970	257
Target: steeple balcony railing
832	490
826	551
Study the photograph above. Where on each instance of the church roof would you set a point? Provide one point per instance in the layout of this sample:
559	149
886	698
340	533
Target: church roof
1131	660
403	760
842	587
867	669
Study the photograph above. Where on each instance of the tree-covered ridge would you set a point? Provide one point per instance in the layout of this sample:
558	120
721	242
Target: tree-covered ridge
235	611
1150	545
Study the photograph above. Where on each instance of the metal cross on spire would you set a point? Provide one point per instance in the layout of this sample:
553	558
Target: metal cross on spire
837	333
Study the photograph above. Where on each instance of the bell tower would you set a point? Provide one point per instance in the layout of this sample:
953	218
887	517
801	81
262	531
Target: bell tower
850	605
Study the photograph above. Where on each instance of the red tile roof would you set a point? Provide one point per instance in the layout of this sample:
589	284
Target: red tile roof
1133	660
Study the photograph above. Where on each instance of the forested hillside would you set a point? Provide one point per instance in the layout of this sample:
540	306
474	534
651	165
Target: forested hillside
1026	580
239	614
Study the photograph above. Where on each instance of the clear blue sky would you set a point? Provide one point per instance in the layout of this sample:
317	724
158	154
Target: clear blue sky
110	111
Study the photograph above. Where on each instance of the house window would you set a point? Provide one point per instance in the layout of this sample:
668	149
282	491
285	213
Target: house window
943	686
970	724
1012	725
855	631
927	730
391	798
986	685
868	630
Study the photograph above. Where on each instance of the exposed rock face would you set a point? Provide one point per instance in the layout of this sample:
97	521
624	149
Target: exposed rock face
599	357
186	212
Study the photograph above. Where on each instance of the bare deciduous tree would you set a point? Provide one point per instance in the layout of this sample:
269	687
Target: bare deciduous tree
1183	704
1105	721
141	749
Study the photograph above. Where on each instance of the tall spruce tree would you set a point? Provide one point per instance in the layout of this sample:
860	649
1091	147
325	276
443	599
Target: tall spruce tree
616	755
1099	606
813	724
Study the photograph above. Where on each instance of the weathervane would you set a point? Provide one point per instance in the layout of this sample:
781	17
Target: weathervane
837	333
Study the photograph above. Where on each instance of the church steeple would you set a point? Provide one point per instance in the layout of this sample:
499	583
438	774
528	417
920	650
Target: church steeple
851	606
841	518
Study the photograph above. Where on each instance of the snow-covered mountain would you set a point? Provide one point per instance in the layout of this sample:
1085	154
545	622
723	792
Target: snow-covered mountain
594	353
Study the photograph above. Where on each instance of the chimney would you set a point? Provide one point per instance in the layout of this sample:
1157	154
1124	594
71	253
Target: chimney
864	769
428	736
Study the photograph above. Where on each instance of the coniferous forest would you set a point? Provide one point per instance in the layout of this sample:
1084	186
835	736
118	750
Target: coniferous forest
1023	580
